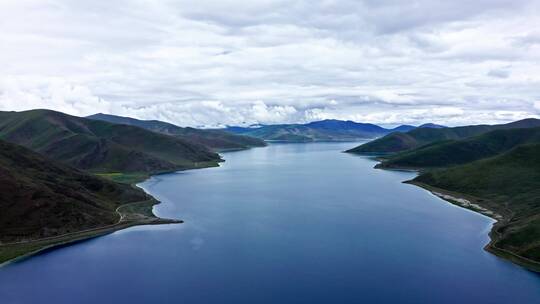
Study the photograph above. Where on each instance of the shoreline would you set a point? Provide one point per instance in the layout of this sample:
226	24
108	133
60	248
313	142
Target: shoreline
138	216
18	251
501	217
500	214
460	200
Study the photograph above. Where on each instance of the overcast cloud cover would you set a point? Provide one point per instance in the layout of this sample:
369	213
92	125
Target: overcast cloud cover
217	62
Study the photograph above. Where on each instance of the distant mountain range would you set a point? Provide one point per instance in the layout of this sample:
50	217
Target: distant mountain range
217	140
492	169
324	130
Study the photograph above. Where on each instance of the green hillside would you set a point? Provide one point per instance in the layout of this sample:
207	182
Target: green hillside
455	152
42	198
46	203
509	184
397	141
217	140
100	146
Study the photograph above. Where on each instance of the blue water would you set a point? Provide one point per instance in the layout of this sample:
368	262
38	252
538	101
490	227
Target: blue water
289	223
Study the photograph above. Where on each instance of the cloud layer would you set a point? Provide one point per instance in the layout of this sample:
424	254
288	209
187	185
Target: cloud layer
213	63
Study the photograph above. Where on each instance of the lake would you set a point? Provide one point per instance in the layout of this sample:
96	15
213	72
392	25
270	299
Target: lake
288	223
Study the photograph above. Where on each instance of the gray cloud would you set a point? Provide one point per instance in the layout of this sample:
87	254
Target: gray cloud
529	39
223	62
499	73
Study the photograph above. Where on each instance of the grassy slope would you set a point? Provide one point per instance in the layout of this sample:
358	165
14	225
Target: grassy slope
101	146
397	141
41	198
455	152
510	184
46	204
217	140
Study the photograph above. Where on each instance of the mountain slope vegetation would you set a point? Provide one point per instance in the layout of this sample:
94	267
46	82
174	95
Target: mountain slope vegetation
100	146
42	198
455	152
218	140
509	184
397	141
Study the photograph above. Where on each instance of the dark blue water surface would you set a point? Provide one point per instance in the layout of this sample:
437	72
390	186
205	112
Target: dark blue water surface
289	223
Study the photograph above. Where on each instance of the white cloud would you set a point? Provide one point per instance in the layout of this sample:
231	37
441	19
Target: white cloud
537	105
26	93
204	64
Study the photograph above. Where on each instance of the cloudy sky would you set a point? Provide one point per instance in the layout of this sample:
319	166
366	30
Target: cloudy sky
235	62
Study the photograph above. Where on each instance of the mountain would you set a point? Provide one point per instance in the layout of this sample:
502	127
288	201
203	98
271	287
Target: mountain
432	125
340	125
455	152
508	184
404	128
217	140
241	130
397	142
43	198
324	130
45	202
100	146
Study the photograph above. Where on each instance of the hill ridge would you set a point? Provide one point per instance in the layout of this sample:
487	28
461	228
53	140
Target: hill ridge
101	146
397	141
217	140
